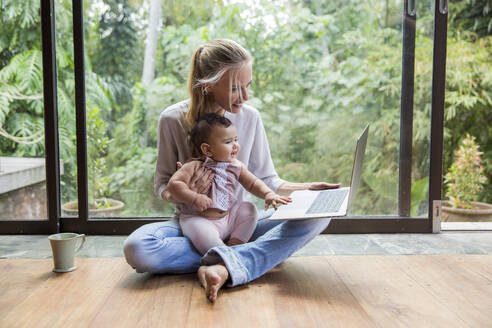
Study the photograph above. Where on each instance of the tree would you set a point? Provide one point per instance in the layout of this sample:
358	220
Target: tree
151	42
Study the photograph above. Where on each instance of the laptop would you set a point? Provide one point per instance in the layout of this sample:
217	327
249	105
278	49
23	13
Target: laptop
308	204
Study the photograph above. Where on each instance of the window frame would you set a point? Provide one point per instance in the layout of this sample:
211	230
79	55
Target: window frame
403	222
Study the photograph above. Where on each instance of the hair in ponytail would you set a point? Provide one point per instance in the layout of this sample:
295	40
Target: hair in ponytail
208	65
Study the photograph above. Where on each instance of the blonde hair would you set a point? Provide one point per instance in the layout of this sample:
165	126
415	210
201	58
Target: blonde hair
208	65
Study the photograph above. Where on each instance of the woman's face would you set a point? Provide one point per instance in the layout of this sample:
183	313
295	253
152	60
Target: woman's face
226	94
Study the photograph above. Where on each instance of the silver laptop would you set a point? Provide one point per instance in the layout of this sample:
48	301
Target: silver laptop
308	204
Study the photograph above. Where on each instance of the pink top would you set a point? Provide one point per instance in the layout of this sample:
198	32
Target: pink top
222	192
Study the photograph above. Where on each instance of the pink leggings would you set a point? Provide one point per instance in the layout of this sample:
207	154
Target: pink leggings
206	233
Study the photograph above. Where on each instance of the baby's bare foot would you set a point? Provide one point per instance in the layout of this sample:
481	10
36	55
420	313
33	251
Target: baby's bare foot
212	278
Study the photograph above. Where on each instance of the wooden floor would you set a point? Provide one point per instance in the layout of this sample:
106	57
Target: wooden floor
318	291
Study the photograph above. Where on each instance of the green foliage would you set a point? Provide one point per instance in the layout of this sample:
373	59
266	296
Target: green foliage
113	51
139	124
465	177
469	98
21	86
419	194
97	144
133	184
20	26
21	105
322	70
472	15
301	142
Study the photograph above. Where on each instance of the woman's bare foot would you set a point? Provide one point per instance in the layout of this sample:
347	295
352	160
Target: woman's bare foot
212	279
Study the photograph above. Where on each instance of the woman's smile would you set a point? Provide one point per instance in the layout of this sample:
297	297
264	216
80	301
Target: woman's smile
230	95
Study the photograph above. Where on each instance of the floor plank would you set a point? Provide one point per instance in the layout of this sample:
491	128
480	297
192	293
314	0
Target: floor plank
69	299
314	298
316	291
18	281
145	300
452	281
390	296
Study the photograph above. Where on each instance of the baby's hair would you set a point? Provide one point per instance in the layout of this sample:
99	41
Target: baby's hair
200	132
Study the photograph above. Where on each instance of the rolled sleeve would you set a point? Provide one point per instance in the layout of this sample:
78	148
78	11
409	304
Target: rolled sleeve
273	182
172	145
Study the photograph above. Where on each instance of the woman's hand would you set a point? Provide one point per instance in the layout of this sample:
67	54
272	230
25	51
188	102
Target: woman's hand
202	202
273	199
287	188
201	181
323	185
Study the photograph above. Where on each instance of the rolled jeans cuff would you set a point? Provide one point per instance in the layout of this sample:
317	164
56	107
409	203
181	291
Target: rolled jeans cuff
238	273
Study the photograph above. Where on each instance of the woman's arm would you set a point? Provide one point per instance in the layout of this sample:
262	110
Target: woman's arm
167	151
287	188
172	146
178	187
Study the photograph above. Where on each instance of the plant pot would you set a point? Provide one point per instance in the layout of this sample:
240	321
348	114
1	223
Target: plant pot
72	209
482	212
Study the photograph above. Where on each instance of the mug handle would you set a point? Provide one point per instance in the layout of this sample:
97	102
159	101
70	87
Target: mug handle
81	243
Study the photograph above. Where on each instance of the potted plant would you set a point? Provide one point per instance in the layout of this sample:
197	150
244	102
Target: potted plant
465	181
98	181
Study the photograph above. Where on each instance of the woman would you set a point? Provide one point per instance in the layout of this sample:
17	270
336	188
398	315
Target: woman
220	78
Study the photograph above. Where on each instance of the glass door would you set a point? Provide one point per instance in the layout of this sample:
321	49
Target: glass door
322	71
28	169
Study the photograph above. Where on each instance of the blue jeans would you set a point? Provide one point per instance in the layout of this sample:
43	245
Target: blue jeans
161	248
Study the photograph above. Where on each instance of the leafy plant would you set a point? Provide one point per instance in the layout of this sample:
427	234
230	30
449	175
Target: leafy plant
97	143
419	194
465	177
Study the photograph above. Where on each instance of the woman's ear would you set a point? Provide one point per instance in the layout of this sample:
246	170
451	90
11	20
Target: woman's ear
207	88
205	148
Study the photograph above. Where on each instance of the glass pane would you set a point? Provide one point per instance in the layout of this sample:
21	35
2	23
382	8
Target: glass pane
468	173
66	106
322	71
121	125
22	154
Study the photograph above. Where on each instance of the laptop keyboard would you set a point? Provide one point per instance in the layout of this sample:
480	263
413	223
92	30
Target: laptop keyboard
328	201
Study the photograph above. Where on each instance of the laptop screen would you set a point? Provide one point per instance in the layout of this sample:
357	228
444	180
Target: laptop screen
360	150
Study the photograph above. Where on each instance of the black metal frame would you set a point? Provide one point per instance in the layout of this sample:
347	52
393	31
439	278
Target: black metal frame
124	225
406	112
437	115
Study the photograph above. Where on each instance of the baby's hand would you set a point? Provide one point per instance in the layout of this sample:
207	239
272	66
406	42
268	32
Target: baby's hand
202	202
273	199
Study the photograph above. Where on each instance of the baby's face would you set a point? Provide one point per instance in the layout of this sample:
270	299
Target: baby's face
223	144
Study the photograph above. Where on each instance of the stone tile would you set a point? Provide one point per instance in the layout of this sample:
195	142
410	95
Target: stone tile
19	246
411	244
318	246
471	242
354	244
103	246
423	244
37	246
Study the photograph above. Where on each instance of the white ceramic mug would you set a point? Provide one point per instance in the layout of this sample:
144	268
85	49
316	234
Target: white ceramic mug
64	247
